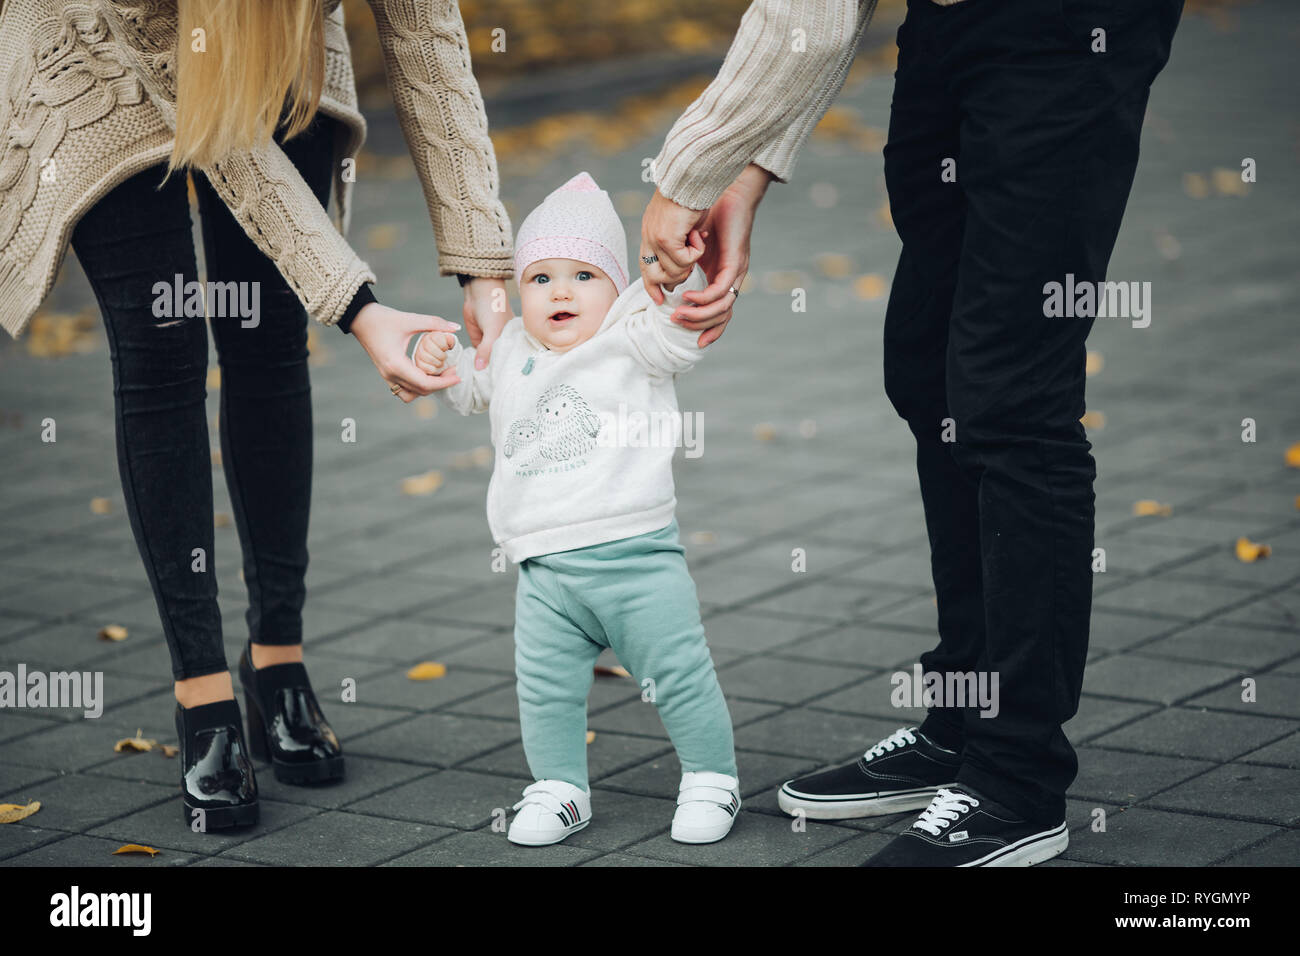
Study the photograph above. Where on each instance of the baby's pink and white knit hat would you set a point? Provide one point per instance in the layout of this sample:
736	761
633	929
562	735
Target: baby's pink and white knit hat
577	221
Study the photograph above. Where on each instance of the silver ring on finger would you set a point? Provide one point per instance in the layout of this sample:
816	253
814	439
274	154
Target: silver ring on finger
649	260
734	291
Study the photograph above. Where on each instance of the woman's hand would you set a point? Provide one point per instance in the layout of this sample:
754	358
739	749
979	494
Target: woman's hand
725	229
385	334
668	231
486	312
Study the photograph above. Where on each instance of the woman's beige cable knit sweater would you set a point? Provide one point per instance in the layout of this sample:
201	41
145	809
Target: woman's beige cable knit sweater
87	99
787	63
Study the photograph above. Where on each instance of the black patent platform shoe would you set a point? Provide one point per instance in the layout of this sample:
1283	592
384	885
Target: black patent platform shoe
218	786
286	725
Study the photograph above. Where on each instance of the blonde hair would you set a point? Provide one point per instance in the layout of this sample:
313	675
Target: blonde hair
236	62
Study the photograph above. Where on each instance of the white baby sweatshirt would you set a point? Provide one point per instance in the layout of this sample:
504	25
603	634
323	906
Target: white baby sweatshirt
584	439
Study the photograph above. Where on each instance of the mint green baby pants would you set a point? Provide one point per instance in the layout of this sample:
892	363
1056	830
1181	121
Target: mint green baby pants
633	595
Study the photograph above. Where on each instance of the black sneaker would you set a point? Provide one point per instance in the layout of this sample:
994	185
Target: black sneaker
961	828
902	772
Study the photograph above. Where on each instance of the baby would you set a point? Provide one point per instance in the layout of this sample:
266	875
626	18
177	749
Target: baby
591	524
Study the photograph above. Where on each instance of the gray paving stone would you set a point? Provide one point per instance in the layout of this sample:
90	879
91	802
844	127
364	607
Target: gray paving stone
16	838
458	799
756	839
639	717
1283	753
402	640
1275	694
1142	837
83	851
1096	715
67	803
164	825
607	754
873	696
15	779
1195	732
434	740
393	688
1119	630
363	776
1240	791
486	848
785	681
336	838
852	852
1279	849
1253	647
1172	597
1136	677
622	859
1120	778
748	631
1280	609
815	734
860	645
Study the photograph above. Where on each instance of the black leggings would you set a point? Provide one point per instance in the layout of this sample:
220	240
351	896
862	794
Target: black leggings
132	239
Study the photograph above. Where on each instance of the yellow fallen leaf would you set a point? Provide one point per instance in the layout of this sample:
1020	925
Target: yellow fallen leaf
1228	182
1249	552
869	287
214	377
221	520
169	750
383	236
13	812
427	670
136	848
708	537
1293	456
601	670
1147	508
1297	502
764	431
425	407
591	735
216	458
112	632
136	744
425	484
1093	420
1094	363
101	506
834	265
1196	185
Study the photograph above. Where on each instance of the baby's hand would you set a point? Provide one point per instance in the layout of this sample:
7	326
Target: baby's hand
432	351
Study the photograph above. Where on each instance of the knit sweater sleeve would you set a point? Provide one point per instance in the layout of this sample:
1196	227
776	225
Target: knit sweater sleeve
785	66
441	112
261	186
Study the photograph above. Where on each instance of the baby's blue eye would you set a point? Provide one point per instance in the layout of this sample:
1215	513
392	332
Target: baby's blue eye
541	277
586	275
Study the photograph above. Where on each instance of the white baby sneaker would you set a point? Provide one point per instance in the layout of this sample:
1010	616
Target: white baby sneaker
707	804
549	812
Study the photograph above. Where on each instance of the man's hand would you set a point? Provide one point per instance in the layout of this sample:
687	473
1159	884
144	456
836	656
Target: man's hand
385	334
486	312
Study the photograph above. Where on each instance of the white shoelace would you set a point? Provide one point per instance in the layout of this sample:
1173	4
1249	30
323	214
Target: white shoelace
899	738
947	806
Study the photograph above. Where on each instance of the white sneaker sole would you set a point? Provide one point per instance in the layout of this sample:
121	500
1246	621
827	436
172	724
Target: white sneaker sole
525	837
862	805
1029	851
684	834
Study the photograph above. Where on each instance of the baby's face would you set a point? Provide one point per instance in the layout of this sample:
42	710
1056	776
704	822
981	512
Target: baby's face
564	301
